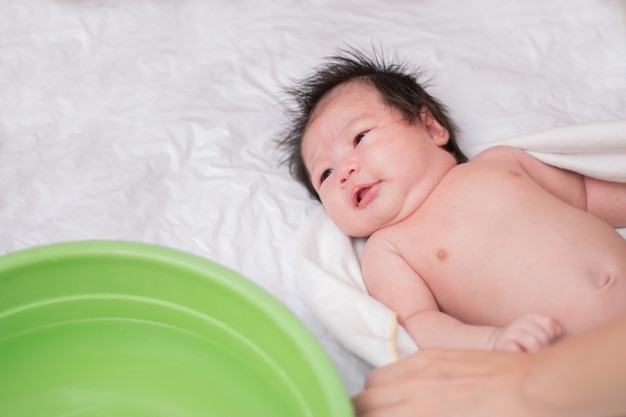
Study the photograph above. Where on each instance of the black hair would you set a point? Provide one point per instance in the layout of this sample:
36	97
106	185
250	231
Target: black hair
398	86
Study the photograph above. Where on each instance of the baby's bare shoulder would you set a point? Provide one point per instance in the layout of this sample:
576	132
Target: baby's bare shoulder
501	153
492	160
507	158
566	185
381	240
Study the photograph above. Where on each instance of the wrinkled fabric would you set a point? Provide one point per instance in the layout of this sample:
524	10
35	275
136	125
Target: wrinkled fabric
155	121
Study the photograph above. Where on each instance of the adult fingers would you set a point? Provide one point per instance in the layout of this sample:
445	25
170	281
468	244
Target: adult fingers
433	363
420	363
374	401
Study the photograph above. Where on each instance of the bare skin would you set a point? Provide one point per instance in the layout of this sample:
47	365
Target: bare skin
583	376
500	247
503	252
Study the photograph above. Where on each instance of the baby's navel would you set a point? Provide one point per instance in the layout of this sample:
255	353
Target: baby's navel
605	280
442	255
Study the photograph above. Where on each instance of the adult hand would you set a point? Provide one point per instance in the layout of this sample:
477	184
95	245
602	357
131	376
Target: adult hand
438	383
584	375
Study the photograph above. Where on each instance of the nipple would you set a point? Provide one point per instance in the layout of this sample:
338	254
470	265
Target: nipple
442	255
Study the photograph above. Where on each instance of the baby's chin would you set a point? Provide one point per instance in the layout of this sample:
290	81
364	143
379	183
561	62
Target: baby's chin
373	225
363	225
357	231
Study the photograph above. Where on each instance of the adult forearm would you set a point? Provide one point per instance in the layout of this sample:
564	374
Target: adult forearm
582	376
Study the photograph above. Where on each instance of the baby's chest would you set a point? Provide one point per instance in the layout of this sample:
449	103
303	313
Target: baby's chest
481	228
475	211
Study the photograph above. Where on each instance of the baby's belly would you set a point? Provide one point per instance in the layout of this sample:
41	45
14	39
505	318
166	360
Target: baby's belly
526	253
577	294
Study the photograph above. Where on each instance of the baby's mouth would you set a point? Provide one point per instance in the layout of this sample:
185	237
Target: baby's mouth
361	196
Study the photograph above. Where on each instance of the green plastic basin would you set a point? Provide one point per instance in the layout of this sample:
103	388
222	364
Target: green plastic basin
127	329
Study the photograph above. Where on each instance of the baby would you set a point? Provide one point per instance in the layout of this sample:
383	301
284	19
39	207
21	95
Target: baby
501	252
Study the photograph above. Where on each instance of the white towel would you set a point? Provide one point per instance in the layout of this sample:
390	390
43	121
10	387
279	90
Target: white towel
328	261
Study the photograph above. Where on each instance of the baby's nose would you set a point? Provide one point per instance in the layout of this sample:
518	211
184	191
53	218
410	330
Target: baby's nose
349	167
348	174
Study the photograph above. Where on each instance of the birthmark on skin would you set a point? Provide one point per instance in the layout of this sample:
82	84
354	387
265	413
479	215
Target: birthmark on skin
514	173
442	255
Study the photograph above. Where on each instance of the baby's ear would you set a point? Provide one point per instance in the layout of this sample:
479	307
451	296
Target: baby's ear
436	131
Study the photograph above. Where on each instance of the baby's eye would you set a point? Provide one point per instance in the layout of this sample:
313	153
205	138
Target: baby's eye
325	175
359	137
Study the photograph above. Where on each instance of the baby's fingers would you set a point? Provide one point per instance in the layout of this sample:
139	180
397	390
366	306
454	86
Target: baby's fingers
533	341
522	342
537	331
528	333
545	326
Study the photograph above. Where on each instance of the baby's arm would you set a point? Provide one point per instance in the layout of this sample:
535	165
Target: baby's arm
607	200
604	199
391	280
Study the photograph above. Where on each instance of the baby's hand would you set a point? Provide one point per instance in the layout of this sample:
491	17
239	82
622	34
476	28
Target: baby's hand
528	333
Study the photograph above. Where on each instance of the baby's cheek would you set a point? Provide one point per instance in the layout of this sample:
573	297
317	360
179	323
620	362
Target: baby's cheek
342	220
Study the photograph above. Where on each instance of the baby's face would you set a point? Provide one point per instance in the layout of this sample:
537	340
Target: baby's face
370	167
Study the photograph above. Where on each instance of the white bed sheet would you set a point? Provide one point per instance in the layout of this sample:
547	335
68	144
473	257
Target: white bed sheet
154	120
